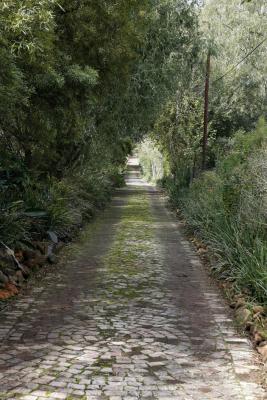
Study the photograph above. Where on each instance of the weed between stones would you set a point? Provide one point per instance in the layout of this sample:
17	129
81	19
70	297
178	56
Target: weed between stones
131	248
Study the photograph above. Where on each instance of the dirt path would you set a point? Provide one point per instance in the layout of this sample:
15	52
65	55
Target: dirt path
131	316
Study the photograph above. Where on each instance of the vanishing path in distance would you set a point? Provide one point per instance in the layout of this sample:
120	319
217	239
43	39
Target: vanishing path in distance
130	315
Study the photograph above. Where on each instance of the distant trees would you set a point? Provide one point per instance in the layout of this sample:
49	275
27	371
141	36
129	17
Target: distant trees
239	78
235	35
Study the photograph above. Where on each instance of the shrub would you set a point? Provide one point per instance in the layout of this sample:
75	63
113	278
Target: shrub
227	208
61	206
14	226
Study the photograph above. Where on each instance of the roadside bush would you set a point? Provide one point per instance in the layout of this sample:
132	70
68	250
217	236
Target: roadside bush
60	206
74	200
227	209
14	226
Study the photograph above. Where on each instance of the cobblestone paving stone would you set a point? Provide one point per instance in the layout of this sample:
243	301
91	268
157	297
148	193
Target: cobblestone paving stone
132	315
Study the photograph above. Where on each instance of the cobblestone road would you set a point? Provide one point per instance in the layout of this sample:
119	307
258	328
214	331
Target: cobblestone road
131	315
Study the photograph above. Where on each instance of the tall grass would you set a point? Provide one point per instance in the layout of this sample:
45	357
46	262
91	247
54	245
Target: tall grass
227	209
61	206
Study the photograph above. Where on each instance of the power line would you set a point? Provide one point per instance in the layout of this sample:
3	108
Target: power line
240	62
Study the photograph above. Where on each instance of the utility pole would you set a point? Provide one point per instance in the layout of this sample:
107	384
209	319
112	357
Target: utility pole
206	114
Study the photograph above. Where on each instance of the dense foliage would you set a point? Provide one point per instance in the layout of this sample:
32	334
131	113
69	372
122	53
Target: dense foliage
225	205
80	81
227	208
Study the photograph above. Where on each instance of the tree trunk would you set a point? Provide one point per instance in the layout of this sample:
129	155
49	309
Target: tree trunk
206	114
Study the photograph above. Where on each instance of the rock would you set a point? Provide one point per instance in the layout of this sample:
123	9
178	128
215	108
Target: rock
258	310
257	316
52	258
202	250
9	272
26	271
11	288
9	291
28	255
31	263
240	302
52	236
7	264
40	246
41	260
33	259
19	255
5	294
19	278
8	261
253	329
243	315
50	249
263	332
263	351
58	247
258	338
248	326
233	305
3	278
